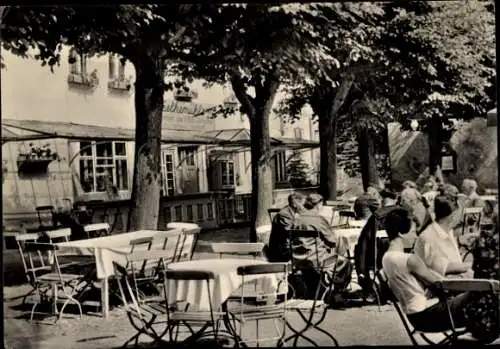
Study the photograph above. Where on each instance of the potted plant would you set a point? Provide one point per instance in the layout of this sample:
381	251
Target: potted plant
37	159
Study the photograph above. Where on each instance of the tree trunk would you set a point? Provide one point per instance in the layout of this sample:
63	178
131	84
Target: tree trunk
327	111
258	110
262	178
146	185
328	155
367	160
434	131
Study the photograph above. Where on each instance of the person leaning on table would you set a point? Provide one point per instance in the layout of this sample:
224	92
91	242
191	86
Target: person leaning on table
409	278
437	244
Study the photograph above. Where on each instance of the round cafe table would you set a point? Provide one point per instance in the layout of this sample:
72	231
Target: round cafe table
226	281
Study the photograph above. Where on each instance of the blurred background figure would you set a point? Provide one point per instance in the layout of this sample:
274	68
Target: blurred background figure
471	197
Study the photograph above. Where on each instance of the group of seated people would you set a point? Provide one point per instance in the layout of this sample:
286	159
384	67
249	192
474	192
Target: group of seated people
421	248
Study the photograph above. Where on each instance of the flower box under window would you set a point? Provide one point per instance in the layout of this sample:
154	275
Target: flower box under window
120	84
27	163
85	80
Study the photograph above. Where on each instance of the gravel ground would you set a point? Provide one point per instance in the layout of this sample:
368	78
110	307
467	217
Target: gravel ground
352	326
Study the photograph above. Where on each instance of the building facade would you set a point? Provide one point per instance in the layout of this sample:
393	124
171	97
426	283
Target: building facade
100	91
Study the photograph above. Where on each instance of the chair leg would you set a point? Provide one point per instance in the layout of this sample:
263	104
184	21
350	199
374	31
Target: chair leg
68	300
37	292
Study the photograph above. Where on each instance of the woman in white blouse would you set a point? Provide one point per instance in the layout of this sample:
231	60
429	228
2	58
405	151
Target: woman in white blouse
437	245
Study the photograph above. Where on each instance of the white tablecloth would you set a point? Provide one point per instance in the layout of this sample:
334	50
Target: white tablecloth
114	248
352	236
226	281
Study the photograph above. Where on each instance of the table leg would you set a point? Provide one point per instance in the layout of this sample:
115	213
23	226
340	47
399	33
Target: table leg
105	297
54	295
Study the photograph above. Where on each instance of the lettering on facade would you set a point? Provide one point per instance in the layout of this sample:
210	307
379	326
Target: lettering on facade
174	106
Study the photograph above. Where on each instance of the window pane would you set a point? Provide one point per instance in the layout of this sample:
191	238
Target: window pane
120	148
85	149
210	211
87	175
104	149
199	212
121	174
178	213
189	213
104	162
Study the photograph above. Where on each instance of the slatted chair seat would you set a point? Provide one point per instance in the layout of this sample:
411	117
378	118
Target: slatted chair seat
149	309
304	304
251	312
54	277
201	317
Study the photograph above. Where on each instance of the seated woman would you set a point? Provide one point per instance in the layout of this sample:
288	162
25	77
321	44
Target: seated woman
409	277
418	206
329	251
437	245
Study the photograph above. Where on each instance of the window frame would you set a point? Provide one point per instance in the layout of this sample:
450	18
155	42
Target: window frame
226	174
114	158
280	175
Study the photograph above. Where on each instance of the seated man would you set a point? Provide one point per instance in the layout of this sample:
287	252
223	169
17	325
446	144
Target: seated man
364	251
278	249
409	277
328	253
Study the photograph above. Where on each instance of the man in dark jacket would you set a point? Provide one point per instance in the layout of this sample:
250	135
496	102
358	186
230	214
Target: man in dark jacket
279	249
364	252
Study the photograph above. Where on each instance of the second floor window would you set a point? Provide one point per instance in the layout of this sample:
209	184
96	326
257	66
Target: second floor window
280	167
77	63
116	68
103	165
187	156
297	133
226	168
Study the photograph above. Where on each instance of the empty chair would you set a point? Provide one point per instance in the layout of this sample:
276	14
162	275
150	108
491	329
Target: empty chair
238	248
48	213
57	280
141	244
39	266
142	312
188	242
97	230
242	312
58	235
178	316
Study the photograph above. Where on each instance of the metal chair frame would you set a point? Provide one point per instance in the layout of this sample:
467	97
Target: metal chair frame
142	313
318	303
177	317
55	280
451	336
243	313
272	212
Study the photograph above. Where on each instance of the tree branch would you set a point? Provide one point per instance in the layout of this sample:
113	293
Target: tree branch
240	92
341	94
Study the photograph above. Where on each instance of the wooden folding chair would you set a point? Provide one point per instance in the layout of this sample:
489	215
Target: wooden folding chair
178	316
45	210
471	219
273	212
242	312
188	242
97	230
39	267
55	280
471	225
307	308
451	336
143	313
253	249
